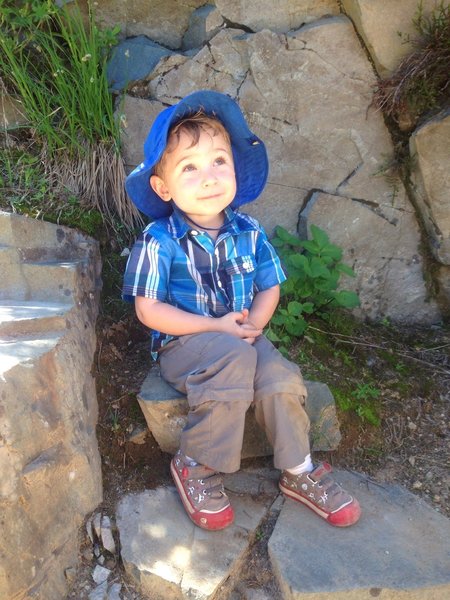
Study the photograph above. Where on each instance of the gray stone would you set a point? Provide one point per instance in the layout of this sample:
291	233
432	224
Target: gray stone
133	60
169	557
114	591
430	153
106	535
387	28
165	411
100	574
398	550
48	408
396	264
100	592
286	15
204	23
12	114
164	21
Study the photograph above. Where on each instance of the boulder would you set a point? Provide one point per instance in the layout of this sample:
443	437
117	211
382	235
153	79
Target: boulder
133	60
286	15
383	253
387	28
204	23
430	153
308	95
49	460
164	21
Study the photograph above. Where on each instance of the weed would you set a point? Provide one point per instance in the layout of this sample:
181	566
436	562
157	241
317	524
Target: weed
422	80
314	268
56	66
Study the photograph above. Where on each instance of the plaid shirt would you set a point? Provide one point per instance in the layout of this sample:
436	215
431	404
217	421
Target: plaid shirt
174	263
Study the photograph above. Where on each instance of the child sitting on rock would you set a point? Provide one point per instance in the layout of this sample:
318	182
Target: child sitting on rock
205	279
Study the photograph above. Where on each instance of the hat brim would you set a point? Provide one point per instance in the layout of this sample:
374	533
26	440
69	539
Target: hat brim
249	153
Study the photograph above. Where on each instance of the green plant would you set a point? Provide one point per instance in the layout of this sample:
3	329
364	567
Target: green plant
422	80
56	65
361	401
314	268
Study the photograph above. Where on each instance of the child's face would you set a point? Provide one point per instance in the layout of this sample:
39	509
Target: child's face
200	179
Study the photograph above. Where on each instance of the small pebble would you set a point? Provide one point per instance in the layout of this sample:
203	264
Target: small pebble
100	574
417	485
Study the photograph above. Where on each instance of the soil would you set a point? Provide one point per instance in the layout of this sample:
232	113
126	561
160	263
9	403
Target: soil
398	376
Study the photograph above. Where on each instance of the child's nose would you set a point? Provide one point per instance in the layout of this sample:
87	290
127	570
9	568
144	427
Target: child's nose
209	178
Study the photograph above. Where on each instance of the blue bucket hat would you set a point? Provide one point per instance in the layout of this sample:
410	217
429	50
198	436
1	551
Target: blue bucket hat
249	153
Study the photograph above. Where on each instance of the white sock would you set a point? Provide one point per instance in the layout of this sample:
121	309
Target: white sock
305	467
191	461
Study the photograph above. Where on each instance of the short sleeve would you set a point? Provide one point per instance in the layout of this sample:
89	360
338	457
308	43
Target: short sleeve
269	270
147	270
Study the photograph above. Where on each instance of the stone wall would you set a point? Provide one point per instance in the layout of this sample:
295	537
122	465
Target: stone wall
303	77
50	473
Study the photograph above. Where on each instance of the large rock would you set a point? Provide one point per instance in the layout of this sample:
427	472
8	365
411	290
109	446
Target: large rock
430	153
204	23
397	551
164	21
308	95
387	28
165	410
393	264
282	17
49	460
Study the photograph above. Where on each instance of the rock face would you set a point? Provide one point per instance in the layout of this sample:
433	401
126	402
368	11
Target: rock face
307	94
386	28
430	153
49	460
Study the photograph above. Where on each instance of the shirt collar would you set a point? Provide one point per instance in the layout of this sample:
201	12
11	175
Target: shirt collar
234	223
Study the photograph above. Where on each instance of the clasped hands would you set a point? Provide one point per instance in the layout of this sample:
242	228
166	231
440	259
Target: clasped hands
238	324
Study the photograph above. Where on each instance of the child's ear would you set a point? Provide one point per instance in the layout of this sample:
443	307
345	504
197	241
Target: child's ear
160	188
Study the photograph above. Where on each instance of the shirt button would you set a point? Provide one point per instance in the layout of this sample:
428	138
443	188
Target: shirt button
246	265
193	232
219	284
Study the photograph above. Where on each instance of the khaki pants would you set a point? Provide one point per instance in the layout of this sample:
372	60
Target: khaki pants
222	377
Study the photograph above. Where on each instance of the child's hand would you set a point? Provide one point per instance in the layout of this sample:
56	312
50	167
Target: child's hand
247	324
236	323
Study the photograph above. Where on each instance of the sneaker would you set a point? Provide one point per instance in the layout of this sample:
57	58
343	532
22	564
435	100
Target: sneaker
202	493
322	494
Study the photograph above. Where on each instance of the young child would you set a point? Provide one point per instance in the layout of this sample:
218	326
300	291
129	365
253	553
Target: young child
205	279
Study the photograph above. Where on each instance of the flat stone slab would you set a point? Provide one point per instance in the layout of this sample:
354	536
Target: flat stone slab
400	549
165	410
172	559
19	318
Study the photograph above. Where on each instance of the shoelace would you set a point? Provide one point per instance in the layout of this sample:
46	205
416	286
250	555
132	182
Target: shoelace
211	483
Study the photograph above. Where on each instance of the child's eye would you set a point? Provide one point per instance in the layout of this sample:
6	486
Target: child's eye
188	168
220	161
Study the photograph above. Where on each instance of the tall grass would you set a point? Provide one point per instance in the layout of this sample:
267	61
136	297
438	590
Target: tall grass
55	63
421	83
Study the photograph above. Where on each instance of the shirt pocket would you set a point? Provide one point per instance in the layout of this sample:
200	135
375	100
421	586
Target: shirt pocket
239	274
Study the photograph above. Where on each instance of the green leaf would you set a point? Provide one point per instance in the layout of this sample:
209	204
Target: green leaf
272	336
308	308
346	298
331	251
311	246
342	268
295	308
287	237
297	328
318	269
319	236
298	260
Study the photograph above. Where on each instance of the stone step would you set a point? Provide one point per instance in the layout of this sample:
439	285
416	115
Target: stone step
165	410
25	318
25	350
169	557
399	549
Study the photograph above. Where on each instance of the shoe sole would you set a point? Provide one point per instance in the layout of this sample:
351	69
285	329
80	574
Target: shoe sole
344	517
211	521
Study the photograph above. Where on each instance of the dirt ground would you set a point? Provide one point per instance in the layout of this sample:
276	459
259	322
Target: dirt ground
403	375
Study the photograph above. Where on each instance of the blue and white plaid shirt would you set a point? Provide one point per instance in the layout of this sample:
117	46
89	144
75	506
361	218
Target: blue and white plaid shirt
174	263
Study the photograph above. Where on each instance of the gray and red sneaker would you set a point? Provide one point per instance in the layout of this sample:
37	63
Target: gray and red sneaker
320	492
202	493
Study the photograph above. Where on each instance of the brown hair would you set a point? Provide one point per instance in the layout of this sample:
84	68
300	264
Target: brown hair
193	126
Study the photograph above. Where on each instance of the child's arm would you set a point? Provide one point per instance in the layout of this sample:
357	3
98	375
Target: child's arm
263	306
174	321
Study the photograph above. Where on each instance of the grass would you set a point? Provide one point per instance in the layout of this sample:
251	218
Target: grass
56	65
421	83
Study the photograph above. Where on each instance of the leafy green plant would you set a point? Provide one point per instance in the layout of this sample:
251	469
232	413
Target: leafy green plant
361	401
314	268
